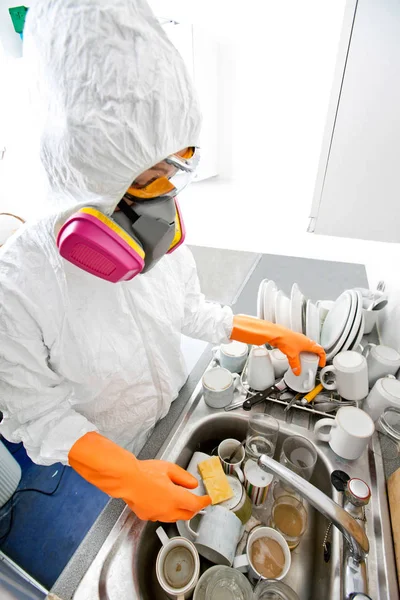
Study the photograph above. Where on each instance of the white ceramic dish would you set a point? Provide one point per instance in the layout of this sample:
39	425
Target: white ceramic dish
313	323
353	333
336	321
346	328
282	309
270	292
260	300
359	335
296	309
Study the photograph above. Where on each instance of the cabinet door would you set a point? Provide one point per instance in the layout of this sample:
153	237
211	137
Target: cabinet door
358	186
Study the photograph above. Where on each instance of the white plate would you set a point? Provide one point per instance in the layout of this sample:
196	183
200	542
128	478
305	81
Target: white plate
312	322
270	292
282	309
336	321
354	331
260	300
359	335
331	352
296	309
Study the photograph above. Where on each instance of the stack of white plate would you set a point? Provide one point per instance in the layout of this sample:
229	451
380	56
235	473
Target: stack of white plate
343	327
296	313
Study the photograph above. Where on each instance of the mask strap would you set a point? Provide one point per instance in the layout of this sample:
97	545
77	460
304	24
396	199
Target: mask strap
128	211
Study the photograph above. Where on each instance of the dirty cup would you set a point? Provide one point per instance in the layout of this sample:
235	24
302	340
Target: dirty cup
225	450
257	482
267	555
177	566
218	534
240	503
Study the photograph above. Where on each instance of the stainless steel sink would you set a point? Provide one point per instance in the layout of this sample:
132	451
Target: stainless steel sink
124	569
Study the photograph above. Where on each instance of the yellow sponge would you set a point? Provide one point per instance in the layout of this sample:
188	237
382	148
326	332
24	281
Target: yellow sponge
215	480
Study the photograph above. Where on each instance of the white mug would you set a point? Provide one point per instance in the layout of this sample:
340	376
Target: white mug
225	450
384	394
178	584
260	372
244	563
370	320
305	382
232	356
279	362
218	387
381	361
351	375
256	482
218	534
349	433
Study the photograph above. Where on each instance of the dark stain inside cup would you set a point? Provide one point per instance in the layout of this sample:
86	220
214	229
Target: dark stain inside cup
178	567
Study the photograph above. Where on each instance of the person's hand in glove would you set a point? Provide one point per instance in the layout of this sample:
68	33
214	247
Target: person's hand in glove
153	489
256	331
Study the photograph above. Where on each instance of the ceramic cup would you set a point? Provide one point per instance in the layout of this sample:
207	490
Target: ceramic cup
349	433
240	503
232	356
260	372
218	387
381	361
244	562
279	362
257	482
225	450
370	320
350	373
177	566
217	536
305	382
384	394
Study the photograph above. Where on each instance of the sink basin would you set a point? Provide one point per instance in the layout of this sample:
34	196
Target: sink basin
125	566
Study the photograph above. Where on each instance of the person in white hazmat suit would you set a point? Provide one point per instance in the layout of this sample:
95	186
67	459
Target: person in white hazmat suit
94	297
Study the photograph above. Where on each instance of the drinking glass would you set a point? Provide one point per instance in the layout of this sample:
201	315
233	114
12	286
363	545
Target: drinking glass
298	455
262	435
289	517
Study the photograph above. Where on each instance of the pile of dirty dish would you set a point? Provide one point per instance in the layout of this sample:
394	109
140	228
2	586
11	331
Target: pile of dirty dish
241	555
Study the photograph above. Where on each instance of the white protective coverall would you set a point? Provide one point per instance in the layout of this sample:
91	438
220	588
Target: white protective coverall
111	98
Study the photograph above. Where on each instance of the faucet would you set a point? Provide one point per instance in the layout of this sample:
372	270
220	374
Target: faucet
355	536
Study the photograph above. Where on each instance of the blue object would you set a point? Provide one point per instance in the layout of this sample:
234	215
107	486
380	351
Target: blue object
47	530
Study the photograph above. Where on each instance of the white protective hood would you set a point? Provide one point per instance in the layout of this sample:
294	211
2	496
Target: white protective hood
111	97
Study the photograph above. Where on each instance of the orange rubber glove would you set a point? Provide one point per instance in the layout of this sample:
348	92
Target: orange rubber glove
153	489
256	331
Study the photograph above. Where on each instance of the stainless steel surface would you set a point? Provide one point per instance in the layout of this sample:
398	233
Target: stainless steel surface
124	567
351	530
355	574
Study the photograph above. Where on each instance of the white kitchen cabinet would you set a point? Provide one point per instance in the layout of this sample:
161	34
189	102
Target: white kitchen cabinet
200	52
357	192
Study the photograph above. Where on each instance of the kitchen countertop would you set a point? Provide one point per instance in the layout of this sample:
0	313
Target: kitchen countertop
317	279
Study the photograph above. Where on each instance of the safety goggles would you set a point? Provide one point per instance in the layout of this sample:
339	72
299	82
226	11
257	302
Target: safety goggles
167	178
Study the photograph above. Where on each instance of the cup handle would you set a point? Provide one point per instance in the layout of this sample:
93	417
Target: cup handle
309	381
192	531
164	539
328	386
239	473
324	437
367	349
215	353
241	563
236	380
